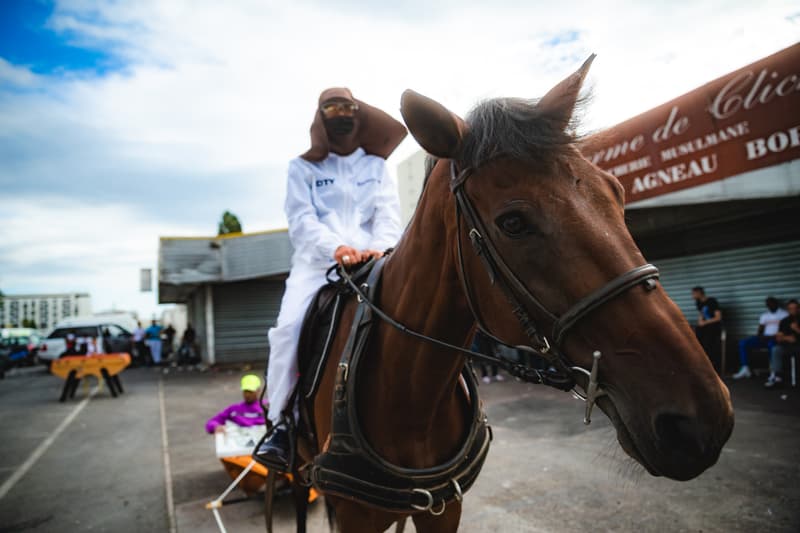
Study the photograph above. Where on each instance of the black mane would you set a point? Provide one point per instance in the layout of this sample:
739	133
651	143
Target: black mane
514	128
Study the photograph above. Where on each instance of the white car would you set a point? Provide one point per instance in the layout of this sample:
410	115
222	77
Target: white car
108	337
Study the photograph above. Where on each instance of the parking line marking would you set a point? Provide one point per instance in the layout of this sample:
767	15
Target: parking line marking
44	446
165	448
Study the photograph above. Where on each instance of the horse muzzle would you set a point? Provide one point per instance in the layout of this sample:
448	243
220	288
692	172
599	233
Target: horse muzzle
670	444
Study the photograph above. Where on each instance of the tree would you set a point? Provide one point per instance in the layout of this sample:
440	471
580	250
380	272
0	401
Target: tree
229	224
28	323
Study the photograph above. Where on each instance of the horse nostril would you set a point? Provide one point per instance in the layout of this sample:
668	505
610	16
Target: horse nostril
681	434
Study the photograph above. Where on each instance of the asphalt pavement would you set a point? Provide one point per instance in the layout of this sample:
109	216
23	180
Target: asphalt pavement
98	464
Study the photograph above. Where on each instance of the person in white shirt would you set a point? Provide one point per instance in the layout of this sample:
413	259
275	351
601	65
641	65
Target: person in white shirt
342	205
139	345
91	346
768	325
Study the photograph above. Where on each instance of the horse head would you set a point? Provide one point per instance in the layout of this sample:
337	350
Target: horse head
555	222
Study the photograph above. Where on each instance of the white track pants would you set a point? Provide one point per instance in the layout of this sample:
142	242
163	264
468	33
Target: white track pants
301	286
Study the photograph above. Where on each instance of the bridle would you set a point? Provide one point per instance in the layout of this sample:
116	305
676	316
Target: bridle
522	301
560	375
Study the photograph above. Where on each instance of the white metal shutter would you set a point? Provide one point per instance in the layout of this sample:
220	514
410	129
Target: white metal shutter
243	313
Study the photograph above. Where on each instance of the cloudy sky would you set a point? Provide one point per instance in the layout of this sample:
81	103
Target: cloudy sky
124	121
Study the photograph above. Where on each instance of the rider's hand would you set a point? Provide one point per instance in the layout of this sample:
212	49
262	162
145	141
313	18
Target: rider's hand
347	255
219	429
375	254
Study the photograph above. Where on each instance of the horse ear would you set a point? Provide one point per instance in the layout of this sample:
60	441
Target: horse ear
559	102
436	129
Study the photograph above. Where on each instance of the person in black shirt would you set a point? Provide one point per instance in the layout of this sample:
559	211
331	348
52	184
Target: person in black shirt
188	353
168	340
787	342
709	325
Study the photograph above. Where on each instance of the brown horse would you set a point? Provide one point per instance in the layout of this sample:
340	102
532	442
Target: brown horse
557	220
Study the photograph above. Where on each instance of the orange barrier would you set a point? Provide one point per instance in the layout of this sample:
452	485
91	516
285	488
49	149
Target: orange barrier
90	365
73	368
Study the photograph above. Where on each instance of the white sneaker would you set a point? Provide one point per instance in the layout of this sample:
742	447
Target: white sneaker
498	377
486	379
773	381
743	372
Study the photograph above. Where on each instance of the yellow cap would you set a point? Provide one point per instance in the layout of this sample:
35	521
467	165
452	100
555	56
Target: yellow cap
251	382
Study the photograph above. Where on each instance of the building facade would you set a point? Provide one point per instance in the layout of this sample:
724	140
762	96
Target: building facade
44	310
712	184
232	288
410	177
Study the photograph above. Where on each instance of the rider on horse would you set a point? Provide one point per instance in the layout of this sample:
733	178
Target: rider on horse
341	205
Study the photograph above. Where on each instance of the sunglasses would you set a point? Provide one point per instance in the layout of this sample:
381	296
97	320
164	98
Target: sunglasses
333	109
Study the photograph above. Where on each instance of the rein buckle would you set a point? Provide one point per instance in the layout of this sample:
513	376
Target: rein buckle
477	243
428	495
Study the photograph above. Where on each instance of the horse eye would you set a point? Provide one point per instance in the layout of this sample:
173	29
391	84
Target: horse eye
513	224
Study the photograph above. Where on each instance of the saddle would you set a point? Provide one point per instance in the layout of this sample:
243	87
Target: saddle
350	467
320	325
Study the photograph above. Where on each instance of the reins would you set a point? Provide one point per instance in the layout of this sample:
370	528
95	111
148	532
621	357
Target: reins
515	369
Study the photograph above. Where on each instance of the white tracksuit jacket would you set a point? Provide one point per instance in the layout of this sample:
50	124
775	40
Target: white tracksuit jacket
350	200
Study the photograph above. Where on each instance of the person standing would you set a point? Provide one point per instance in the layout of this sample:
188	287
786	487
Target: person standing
168	335
105	339
153	339
139	345
482	344
709	325
187	353
768	325
342	205
72	344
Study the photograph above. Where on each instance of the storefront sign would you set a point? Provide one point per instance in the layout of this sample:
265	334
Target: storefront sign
745	120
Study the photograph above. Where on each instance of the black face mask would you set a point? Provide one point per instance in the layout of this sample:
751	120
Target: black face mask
340	126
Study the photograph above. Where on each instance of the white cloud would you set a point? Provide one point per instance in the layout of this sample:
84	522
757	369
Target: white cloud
216	97
83	247
17	77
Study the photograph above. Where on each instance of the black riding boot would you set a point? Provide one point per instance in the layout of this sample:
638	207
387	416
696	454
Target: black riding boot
274	451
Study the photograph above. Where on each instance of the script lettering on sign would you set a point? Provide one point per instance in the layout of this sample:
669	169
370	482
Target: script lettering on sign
745	120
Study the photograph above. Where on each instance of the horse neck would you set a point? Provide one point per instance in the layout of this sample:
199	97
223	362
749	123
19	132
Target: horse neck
421	288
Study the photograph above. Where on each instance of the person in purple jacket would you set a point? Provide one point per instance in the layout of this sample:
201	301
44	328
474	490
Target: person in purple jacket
247	413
